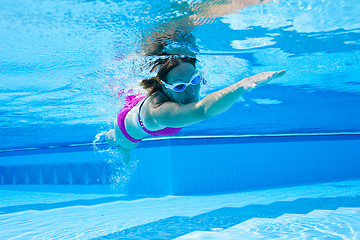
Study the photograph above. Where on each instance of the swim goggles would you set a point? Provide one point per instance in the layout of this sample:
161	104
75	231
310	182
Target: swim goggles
180	87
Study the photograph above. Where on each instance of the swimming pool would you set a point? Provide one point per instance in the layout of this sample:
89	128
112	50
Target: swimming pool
283	162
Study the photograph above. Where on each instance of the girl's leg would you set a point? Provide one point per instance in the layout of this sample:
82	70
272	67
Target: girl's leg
125	154
110	138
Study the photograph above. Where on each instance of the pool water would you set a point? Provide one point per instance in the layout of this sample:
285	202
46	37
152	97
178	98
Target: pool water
282	163
61	67
323	211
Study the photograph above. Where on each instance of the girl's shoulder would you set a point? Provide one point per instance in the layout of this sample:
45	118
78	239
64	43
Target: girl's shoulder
158	98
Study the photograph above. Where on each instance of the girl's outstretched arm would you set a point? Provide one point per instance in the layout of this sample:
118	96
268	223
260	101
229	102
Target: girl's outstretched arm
171	114
222	100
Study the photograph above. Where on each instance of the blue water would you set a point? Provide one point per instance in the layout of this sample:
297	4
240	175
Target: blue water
60	68
62	64
322	211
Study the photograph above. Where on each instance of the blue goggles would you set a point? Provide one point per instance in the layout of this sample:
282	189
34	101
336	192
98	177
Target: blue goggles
180	87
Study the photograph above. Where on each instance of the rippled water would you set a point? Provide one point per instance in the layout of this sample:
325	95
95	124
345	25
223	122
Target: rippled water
63	63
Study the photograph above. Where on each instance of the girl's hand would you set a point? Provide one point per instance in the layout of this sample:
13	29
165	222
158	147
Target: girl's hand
261	79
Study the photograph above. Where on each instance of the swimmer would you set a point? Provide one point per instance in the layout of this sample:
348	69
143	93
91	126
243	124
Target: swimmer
173	102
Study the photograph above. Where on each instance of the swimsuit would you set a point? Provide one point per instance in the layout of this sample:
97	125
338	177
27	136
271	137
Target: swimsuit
130	102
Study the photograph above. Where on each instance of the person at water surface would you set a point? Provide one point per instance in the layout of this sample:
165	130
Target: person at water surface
173	99
173	102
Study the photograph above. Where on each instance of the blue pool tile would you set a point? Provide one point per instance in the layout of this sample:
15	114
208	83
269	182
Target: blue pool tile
94	173
78	172
62	174
226	217
34	174
48	176
8	174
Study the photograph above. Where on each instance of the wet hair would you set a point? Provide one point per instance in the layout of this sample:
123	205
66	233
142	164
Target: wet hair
163	66
155	44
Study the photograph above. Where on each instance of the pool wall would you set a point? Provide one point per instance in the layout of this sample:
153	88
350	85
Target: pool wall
184	166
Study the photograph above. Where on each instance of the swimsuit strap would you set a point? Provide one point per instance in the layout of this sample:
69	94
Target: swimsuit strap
130	102
141	104
143	101
139	118
162	132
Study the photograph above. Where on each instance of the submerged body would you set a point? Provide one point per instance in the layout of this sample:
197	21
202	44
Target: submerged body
130	129
175	104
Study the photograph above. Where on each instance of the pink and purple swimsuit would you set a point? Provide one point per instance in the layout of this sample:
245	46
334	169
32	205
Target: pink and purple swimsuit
130	102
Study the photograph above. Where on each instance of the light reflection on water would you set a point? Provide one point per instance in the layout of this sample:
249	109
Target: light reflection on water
62	63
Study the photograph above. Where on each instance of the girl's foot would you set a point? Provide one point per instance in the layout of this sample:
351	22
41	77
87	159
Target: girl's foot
125	155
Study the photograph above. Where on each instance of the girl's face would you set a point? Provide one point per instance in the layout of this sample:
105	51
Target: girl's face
182	74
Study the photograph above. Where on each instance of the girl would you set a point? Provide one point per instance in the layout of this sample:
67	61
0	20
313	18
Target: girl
173	102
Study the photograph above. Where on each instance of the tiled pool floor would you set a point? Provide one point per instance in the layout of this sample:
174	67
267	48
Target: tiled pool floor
252	214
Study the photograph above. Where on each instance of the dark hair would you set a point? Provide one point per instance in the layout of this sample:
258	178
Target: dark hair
163	66
155	44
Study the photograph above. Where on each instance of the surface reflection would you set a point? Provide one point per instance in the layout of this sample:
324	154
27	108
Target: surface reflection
172	35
